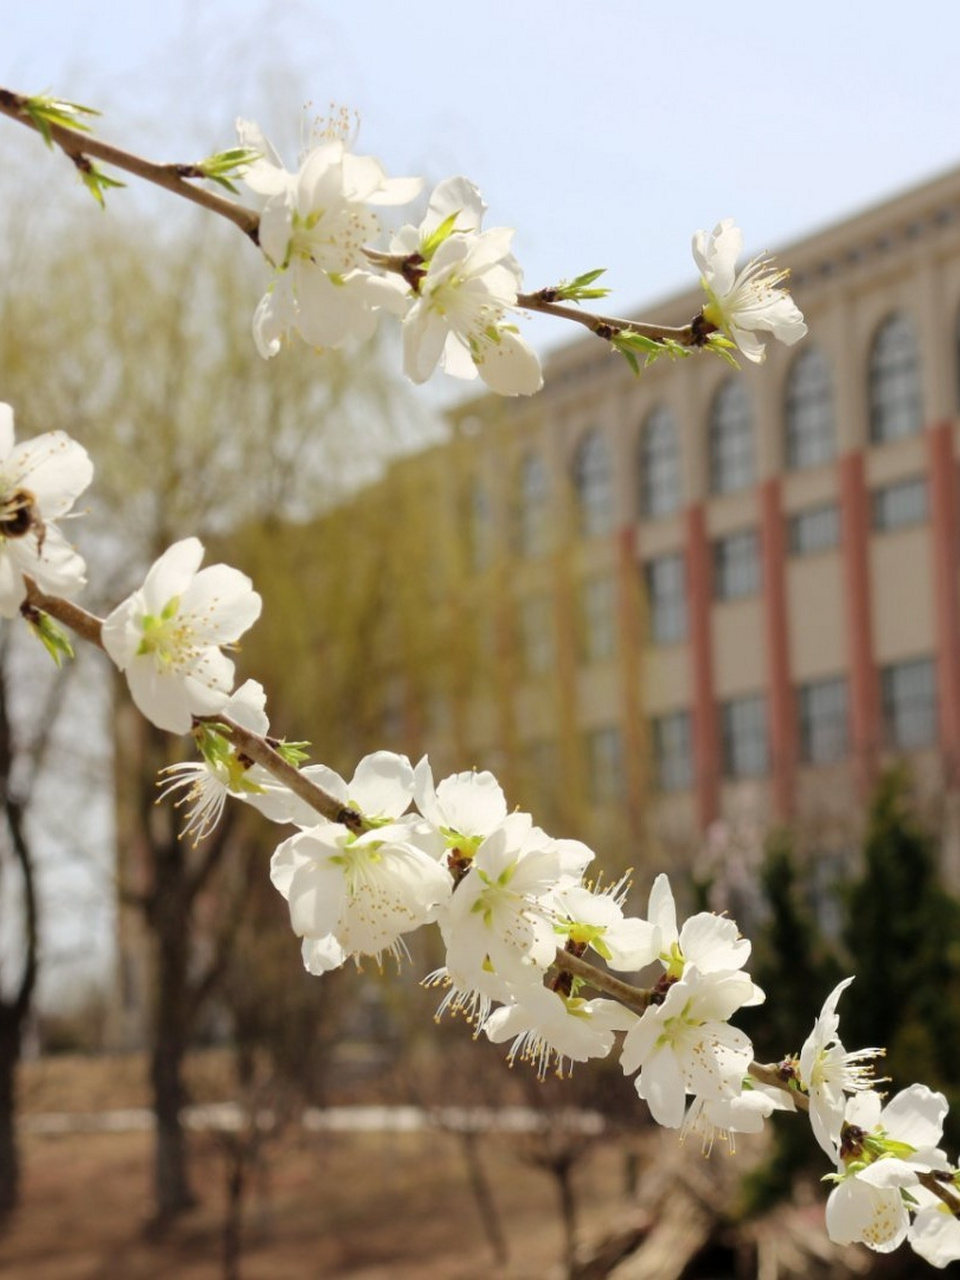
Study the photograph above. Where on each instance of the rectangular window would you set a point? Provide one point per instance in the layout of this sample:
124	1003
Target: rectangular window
598	619
605	775
814	530
673	751
910	704
666	580
823	720
897	506
746	753
537	635
736	566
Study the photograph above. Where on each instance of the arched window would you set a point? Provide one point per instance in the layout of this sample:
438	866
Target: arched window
533	513
593	484
730	439
896	407
660	489
811	438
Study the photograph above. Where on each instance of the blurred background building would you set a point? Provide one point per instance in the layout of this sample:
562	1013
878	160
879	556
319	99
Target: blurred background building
657	602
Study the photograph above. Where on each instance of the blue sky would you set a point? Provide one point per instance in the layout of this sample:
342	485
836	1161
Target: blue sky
605	132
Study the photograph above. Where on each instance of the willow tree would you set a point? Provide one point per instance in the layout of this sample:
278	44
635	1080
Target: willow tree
134	336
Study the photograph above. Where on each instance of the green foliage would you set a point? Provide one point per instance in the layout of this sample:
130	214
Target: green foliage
632	345
794	964
51	635
581	289
45	111
224	166
792	961
903	934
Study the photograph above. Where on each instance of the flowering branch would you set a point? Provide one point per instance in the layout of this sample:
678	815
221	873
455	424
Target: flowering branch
458	286
256	747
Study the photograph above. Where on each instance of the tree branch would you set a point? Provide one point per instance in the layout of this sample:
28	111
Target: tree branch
77	145
88	626
633	997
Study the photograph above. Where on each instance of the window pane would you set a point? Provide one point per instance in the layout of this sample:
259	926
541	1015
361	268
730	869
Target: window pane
814	530
736	566
659	465
593	485
598	616
895	400
673	751
730	440
823	720
898	505
744	726
666	581
809	411
605	775
910	704
533	515
537	635
479	529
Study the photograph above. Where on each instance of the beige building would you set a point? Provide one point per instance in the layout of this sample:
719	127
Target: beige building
699	592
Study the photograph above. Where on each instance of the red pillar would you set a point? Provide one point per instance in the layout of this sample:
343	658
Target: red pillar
781	705
864	686
630	643
945	519
706	741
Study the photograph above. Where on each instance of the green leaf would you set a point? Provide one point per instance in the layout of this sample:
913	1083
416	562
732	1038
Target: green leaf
431	243
96	181
578	289
293	752
45	111
631	344
721	345
51	635
222	167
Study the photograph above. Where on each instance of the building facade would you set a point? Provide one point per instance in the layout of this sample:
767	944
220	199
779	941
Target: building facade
702	590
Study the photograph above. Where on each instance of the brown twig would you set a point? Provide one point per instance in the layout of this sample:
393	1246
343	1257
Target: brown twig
633	997
77	146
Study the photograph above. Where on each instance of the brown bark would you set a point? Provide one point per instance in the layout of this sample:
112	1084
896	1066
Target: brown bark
15	1009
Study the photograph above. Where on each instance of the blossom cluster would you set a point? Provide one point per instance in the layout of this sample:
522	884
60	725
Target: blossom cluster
455	287
512	903
522	922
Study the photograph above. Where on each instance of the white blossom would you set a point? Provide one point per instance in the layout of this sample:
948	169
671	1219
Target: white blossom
466	807
468	285
549	1028
498	915
710	943
934	1233
40	479
882	1150
724	1117
167	636
314	226
828	1072
596	920
685	1045
355	895
740	304
206	783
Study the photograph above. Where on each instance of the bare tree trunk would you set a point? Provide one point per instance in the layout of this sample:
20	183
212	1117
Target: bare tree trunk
9	1152
169	915
16	1008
